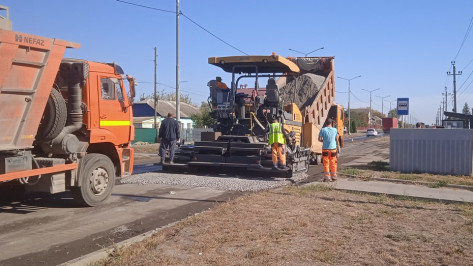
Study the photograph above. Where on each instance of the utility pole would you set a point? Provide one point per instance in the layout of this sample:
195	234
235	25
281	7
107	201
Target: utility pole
454	85
349	92
369	114
446	99
382	102
441	109
155	101
178	93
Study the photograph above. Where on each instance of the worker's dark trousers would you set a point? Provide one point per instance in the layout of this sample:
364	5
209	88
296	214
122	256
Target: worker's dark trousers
167	144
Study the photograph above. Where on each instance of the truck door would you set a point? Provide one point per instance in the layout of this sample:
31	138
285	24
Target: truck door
115	113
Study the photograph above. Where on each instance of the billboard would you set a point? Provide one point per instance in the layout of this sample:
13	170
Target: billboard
402	106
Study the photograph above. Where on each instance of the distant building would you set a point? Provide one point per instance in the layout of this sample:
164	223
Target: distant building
143	113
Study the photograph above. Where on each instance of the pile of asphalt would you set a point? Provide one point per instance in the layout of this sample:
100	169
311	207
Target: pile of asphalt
306	88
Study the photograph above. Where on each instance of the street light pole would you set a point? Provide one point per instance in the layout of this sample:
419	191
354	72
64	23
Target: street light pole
178	92
349	92
369	114
382	102
306	54
155	84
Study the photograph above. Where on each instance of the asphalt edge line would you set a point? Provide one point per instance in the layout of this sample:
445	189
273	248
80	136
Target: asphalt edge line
89	259
424	183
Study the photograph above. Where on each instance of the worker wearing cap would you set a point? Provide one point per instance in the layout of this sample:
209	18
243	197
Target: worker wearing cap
328	137
277	141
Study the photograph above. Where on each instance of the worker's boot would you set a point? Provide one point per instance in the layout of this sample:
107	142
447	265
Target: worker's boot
275	167
283	167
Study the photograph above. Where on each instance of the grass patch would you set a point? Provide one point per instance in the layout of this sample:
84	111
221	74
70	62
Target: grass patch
378	166
441	183
409	177
398	237
383	172
351	171
146	148
305	190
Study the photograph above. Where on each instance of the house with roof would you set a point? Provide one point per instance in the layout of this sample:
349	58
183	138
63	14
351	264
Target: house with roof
143	113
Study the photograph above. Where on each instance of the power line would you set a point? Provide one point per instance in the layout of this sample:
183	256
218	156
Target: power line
171	87
218	38
464	83
469	98
148	7
467	64
180	13
464	38
358	98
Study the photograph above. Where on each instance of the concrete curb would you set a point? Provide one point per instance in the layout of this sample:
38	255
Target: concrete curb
405	196
401	181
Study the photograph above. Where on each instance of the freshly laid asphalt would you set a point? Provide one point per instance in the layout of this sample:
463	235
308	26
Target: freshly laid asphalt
406	190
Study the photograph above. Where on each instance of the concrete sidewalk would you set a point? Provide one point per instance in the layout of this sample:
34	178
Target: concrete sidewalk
409	190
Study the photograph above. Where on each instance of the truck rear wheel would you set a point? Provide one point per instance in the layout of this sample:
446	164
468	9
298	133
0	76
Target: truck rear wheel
11	190
96	177
54	117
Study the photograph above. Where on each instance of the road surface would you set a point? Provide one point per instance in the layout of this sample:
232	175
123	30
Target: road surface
45	229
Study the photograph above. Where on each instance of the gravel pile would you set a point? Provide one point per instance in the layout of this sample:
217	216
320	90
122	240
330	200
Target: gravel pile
307	87
232	183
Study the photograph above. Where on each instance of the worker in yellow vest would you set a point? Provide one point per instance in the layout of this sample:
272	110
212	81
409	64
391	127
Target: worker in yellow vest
277	140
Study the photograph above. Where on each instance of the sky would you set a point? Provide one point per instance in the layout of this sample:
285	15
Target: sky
403	47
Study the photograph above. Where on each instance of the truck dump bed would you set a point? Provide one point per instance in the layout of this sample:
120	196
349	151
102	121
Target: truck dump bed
28	67
313	91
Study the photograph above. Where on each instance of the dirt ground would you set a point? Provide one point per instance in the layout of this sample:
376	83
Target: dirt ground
313	225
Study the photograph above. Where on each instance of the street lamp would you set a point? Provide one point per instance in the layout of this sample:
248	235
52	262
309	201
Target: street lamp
369	114
349	92
382	102
306	54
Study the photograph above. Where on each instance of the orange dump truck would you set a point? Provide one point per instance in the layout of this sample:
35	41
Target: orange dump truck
66	124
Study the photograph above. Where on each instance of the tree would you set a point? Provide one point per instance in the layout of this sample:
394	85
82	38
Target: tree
204	119
466	109
353	126
169	96
393	113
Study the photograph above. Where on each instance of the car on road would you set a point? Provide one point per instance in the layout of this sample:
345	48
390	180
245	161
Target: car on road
371	132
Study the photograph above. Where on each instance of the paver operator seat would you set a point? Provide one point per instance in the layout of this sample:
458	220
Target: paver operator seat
272	95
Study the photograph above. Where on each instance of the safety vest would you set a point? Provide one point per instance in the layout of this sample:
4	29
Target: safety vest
275	134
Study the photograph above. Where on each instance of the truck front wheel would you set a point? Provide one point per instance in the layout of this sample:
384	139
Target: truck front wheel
96	177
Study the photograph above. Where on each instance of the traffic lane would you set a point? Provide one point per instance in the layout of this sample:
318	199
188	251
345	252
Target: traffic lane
51	230
361	151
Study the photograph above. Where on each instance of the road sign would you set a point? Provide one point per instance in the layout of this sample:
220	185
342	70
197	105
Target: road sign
403	106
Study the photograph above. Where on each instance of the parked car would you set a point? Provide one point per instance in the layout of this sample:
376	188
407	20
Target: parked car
371	132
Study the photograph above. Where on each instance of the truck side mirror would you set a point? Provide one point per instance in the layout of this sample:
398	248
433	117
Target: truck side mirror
133	83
